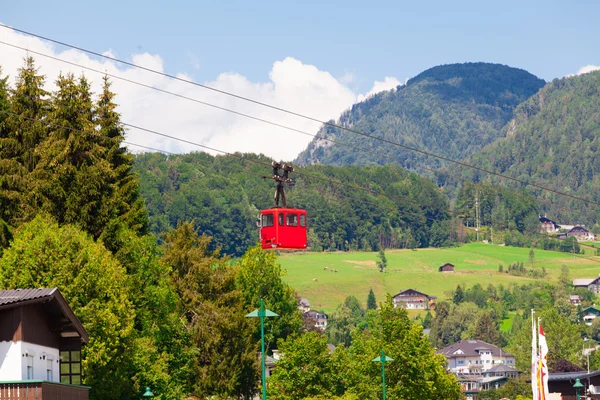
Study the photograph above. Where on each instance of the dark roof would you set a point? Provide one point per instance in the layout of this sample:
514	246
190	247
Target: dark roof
501	368
303	302
22	295
51	299
313	313
544	220
411	292
452	265
471	348
591	308
578	229
568	376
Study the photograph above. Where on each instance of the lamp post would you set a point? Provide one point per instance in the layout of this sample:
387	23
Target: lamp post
382	359
262	313
148	393
577	387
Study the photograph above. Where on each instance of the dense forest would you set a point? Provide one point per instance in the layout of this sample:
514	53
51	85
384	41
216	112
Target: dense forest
349	208
553	141
451	110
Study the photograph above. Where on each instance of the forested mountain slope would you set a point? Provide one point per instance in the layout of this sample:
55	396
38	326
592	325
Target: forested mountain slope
554	140
452	110
223	195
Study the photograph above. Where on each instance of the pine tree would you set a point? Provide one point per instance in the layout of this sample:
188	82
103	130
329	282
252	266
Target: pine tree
21	131
128	205
371	301
72	179
382	262
459	295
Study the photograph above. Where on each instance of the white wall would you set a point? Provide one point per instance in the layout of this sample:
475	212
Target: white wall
13	361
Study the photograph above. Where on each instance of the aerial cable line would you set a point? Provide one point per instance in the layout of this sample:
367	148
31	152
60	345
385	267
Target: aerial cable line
334	125
234	155
225	153
393	159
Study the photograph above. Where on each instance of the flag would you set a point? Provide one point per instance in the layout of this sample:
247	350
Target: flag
543	364
534	360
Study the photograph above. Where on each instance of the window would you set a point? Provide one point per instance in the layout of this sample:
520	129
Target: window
49	377
70	367
267	220
280	219
292	220
302	220
29	367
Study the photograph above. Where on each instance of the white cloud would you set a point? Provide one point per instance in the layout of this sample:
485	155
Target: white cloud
588	68
387	84
292	85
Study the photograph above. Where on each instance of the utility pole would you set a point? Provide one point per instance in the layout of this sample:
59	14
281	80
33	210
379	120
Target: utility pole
477	214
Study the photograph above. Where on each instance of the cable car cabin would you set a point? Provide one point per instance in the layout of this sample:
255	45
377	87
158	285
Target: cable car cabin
283	229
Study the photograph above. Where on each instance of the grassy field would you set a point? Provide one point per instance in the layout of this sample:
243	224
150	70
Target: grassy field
416	269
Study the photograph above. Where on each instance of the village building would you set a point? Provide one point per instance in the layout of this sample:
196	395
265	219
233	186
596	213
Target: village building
41	340
413	299
319	318
591	284
475	356
561	383
479	366
590	314
446	268
303	304
547	225
575	299
582	234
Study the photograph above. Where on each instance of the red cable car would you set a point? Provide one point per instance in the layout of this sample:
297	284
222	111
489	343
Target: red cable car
282	228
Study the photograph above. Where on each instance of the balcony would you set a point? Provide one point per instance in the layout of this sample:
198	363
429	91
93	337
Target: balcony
42	390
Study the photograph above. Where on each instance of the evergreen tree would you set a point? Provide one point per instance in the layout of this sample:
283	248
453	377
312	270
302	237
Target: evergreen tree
21	132
214	309
371	301
382	260
127	206
428	320
458	295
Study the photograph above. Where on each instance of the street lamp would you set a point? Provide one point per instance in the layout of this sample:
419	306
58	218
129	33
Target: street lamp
262	313
382	359
577	387
148	393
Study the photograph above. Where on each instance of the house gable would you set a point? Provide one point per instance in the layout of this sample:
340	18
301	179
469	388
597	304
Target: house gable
411	293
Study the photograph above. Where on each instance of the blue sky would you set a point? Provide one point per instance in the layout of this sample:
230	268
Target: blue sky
312	57
366	40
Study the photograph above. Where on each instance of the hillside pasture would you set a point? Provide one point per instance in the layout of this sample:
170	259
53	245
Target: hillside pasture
313	275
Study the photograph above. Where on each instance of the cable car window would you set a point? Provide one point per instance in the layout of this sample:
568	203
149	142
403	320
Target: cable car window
302	220
267	220
280	219
292	220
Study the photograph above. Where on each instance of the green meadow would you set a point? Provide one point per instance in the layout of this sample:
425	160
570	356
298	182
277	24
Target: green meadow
417	269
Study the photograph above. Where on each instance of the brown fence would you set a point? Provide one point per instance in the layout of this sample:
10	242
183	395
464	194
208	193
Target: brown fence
42	391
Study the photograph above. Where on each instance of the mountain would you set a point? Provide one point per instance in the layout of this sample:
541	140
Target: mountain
554	141
452	110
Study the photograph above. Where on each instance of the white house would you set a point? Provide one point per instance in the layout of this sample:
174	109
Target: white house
319	318
475	356
40	340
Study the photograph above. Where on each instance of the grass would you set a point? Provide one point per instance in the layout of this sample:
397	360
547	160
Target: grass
416	269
